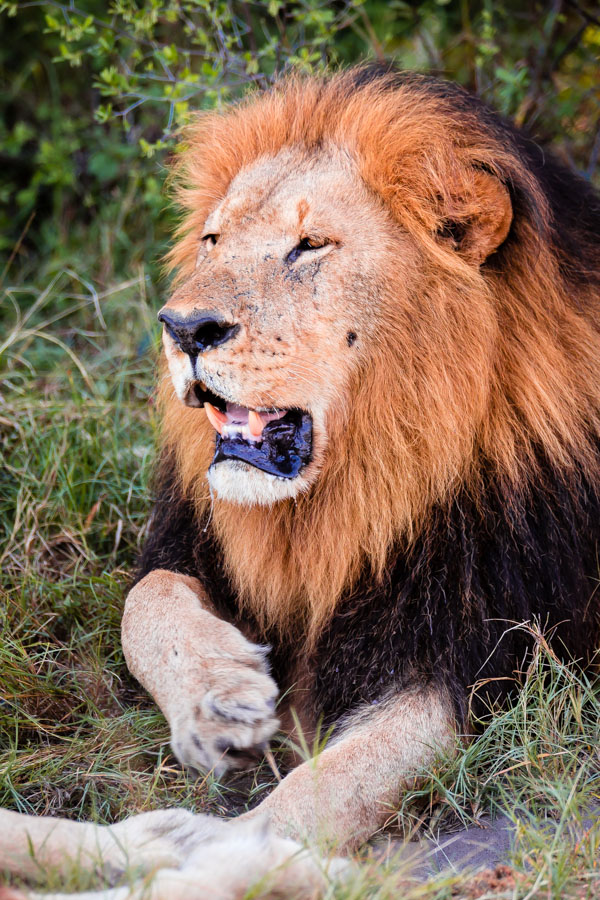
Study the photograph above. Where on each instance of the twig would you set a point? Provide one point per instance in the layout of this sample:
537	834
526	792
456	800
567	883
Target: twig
17	246
590	19
272	764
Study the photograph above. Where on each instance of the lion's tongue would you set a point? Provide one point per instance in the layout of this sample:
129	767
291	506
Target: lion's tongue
240	422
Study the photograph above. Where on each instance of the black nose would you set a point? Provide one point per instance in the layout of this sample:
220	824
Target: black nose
198	332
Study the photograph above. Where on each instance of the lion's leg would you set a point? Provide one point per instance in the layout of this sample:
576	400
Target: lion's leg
225	865
210	682
31	846
347	792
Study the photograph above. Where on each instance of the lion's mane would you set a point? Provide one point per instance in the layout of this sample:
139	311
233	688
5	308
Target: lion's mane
471	497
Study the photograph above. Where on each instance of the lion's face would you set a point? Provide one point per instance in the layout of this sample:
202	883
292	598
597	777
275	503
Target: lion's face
269	333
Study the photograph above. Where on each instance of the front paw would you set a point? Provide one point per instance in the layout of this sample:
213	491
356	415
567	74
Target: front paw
226	722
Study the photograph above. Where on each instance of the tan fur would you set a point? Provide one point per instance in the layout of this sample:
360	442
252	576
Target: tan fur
454	362
182	856
33	844
348	792
210	682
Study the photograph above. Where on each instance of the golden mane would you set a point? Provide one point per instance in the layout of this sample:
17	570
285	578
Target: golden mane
525	381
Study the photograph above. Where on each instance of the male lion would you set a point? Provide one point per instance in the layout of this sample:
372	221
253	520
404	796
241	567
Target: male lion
380	451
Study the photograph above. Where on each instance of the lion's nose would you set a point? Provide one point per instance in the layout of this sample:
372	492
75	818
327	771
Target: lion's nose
199	332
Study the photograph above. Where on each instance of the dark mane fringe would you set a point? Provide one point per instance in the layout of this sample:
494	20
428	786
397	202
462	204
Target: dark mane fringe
447	610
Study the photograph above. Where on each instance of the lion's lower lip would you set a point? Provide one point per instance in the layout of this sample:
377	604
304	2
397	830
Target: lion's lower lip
284	449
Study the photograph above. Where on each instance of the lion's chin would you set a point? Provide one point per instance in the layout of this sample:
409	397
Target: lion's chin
241	483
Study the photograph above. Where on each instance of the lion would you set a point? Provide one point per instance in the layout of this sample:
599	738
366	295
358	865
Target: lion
380	450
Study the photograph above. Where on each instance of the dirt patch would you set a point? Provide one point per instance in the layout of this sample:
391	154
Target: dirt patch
489	881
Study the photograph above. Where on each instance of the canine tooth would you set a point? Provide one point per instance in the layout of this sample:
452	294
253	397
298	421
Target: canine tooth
216	418
221	416
255	423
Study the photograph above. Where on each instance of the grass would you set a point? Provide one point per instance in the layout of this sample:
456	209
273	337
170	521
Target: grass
78	736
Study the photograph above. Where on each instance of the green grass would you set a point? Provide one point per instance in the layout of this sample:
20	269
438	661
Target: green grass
78	736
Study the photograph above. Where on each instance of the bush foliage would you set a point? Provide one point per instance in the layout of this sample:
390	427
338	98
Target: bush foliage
92	94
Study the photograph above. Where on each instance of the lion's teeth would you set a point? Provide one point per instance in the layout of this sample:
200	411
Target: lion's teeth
235	430
216	418
255	423
239	421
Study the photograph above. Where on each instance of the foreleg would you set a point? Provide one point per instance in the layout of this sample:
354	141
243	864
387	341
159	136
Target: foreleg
210	682
347	792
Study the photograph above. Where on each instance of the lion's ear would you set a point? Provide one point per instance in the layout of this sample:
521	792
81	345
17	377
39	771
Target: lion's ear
481	221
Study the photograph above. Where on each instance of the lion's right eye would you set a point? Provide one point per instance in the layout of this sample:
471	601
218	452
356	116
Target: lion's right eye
209	240
308	243
305	245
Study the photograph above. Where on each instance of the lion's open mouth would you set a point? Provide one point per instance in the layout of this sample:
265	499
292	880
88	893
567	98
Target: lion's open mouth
278	441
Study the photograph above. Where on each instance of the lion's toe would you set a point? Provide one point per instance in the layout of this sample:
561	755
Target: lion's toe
230	725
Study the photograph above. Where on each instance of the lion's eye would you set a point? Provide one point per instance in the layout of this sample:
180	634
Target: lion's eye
308	243
305	245
209	240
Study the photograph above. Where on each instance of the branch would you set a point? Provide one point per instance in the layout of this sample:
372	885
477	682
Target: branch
589	18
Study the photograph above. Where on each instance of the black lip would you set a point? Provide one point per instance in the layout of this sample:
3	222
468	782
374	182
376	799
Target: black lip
285	448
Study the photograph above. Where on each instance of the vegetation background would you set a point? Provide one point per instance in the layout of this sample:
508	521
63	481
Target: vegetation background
91	96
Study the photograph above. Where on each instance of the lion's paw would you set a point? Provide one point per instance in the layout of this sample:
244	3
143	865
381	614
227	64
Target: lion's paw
226	722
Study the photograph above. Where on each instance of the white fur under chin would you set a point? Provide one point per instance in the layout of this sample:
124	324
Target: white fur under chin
238	482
